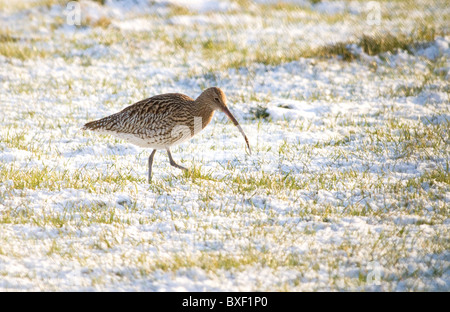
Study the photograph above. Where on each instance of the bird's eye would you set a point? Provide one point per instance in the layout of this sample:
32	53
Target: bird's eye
216	99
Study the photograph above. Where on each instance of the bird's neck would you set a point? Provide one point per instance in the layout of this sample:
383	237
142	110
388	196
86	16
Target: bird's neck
201	110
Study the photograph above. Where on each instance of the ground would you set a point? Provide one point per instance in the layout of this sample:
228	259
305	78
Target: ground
346	107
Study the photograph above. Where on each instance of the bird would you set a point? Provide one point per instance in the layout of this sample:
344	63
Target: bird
165	120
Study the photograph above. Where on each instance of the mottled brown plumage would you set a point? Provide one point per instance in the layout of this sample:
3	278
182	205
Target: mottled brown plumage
164	120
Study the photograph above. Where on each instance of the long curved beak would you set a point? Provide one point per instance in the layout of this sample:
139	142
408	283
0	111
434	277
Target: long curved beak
230	115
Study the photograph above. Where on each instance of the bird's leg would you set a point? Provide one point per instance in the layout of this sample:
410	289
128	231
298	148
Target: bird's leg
150	164
173	163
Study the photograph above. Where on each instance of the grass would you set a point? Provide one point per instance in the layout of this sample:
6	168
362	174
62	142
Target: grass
11	48
377	44
364	180
259	112
53	179
102	22
10	6
175	10
213	261
267	53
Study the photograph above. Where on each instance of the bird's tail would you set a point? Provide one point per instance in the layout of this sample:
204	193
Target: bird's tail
93	125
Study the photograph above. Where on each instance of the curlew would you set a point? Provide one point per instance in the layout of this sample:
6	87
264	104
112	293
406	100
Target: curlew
164	120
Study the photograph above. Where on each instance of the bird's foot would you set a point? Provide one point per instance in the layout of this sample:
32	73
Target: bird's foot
179	166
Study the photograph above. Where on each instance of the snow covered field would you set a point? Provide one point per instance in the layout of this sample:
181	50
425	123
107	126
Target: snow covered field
347	188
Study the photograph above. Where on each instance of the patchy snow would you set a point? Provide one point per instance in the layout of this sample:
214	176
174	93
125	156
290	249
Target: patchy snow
347	179
295	110
331	7
202	6
438	48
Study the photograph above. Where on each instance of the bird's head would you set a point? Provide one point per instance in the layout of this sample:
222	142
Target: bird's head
216	99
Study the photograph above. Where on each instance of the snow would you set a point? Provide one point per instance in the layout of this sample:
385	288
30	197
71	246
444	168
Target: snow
202	6
295	110
436	49
331	7
89	221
